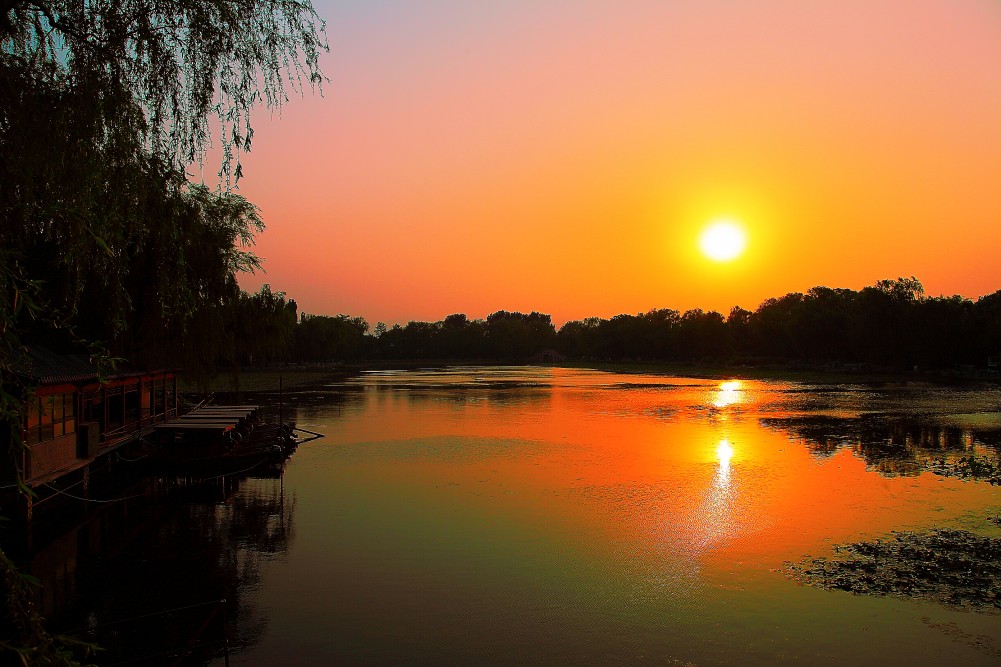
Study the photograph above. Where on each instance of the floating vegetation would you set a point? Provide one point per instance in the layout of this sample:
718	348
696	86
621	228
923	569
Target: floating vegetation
663	412
648	385
895	445
950	567
969	467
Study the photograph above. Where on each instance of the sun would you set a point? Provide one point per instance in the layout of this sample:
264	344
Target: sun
723	241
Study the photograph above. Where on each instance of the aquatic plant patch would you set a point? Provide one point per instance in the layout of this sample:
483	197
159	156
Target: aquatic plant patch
951	567
973	467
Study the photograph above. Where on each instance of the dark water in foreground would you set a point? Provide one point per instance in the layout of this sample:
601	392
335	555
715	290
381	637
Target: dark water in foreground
538	515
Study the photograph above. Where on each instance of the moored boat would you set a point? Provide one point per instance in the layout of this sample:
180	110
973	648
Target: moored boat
222	440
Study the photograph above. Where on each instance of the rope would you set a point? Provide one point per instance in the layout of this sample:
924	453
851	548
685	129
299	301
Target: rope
230	474
141	495
92	500
128	460
154	614
173	653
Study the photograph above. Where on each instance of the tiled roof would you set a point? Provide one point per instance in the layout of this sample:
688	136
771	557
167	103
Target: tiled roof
47	367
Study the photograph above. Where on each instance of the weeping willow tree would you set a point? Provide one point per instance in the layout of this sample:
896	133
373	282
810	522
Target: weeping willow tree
104	104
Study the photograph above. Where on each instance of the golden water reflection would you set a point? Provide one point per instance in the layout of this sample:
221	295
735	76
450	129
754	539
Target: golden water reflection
715	520
724	453
541	515
728	393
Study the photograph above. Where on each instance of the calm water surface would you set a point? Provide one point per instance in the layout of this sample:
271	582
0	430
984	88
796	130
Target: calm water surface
546	515
549	515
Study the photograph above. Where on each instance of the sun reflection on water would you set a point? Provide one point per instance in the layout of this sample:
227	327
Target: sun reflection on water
728	393
717	511
724	453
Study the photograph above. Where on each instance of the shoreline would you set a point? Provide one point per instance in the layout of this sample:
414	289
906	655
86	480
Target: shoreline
266	378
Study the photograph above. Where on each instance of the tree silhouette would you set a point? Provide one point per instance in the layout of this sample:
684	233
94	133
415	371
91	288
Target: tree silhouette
102	107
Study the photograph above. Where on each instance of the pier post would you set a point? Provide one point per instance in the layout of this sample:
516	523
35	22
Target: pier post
225	633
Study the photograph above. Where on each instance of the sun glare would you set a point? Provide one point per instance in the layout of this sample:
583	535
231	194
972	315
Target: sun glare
724	453
723	241
727	393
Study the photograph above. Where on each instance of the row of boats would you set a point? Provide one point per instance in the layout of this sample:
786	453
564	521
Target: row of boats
223	438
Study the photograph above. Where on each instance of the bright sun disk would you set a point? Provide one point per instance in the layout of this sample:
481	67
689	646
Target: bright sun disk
723	241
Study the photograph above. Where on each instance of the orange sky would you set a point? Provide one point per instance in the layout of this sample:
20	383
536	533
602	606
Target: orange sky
562	156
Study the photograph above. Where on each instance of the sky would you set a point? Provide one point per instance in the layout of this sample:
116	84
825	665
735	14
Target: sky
564	156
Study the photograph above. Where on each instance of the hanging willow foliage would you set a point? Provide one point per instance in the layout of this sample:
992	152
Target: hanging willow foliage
183	63
104	104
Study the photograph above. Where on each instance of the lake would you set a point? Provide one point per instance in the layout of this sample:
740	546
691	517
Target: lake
510	515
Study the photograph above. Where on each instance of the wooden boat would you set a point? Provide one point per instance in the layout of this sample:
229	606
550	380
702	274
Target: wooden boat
221	440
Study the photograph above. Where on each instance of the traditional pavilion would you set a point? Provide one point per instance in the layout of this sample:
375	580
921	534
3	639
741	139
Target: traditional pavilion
77	416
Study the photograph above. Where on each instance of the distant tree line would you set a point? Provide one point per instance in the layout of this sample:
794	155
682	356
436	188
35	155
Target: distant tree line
501	336
889	324
265	328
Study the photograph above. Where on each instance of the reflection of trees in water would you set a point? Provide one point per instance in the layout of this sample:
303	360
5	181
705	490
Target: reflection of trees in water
183	545
310	403
899	446
498	392
299	403
316	402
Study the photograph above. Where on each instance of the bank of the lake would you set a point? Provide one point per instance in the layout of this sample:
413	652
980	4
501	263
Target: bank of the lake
268	378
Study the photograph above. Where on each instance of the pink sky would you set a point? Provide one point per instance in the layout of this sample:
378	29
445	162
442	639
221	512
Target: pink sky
562	156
